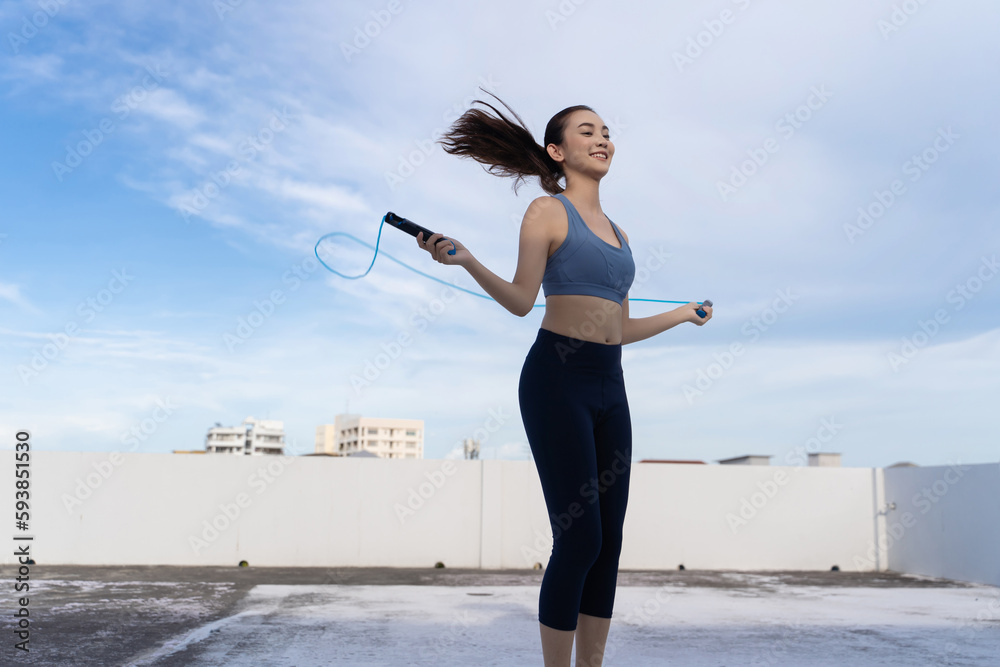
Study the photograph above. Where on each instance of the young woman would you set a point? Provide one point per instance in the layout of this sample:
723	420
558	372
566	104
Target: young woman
571	391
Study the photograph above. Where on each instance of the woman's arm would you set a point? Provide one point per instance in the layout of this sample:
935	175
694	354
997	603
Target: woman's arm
517	296
646	327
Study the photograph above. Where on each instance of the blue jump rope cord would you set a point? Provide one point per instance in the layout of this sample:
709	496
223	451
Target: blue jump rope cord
425	275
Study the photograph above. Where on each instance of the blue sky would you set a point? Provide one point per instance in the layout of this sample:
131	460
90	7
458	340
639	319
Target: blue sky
168	170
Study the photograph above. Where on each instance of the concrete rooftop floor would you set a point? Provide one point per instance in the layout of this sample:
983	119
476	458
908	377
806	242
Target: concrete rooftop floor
201	616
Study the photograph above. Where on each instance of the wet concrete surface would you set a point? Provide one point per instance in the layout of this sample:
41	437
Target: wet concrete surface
89	615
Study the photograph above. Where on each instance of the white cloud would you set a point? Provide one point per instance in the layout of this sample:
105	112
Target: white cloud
32	67
171	106
329	196
12	293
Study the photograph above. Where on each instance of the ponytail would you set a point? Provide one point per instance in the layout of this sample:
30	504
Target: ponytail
507	148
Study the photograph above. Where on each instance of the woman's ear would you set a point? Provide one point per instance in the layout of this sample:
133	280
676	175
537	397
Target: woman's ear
555	152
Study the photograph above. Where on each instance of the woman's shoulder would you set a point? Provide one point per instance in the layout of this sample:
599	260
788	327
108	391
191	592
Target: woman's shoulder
544	210
546	221
546	202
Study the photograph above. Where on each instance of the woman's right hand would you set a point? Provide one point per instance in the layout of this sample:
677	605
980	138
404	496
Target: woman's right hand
439	251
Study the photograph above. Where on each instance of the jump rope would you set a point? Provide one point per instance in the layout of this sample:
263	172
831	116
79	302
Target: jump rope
413	229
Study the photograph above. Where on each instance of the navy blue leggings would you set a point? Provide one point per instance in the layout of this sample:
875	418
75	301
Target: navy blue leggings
575	412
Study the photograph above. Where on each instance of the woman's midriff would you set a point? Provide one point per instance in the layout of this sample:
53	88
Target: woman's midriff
584	317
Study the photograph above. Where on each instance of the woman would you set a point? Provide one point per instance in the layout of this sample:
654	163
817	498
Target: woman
571	391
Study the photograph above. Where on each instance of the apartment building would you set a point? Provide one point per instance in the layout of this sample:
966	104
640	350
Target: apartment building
254	437
386	438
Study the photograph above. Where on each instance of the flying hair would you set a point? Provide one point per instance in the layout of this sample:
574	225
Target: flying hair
506	147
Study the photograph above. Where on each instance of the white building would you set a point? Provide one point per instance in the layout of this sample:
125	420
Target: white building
387	438
254	437
747	460
824	459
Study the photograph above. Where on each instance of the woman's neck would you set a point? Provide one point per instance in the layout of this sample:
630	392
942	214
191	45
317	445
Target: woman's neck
584	194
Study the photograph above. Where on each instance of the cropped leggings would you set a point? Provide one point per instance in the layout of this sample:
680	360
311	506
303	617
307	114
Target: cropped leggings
576	416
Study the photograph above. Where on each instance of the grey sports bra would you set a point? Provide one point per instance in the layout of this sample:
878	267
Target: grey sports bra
587	264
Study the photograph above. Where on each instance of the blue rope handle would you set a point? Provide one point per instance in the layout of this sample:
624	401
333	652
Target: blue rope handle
425	275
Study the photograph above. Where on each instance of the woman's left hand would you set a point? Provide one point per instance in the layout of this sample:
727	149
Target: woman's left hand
693	316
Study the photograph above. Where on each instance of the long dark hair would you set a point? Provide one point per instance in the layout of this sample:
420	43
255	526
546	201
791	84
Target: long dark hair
506	148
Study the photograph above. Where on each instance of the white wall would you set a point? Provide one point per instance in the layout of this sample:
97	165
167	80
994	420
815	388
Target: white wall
102	508
748	517
946	522
149	509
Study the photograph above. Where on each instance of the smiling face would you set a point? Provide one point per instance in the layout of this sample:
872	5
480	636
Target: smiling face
586	147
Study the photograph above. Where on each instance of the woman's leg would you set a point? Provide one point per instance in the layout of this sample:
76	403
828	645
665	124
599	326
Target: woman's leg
557	646
591	637
613	440
558	408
